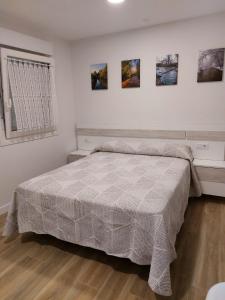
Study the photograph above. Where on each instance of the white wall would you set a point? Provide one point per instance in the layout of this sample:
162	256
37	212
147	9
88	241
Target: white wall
189	105
22	161
20	40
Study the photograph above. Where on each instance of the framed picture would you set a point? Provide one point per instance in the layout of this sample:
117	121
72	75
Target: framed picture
167	69
99	77
130	70
210	65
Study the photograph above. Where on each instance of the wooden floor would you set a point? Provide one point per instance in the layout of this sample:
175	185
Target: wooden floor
36	267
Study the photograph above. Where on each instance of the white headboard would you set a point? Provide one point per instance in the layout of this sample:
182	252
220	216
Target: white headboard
207	145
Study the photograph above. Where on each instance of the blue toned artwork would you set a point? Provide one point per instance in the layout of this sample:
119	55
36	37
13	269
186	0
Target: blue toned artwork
167	70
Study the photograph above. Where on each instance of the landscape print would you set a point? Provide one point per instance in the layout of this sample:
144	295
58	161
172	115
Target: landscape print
210	65
130	73
167	69
99	77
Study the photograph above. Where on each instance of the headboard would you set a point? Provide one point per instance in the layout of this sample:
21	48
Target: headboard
207	145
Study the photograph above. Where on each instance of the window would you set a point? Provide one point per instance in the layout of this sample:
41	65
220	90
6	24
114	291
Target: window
28	102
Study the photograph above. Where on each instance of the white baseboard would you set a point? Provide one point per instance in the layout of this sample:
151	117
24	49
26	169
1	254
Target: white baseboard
4	209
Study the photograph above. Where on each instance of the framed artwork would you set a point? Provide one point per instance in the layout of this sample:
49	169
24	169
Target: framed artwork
167	69
130	70
99	76
210	65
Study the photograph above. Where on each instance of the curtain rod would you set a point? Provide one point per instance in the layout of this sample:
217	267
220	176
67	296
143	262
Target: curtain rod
29	61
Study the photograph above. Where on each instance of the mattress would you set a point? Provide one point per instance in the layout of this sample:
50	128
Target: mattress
127	199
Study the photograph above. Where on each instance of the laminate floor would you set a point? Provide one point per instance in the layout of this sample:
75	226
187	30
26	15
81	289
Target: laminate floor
34	267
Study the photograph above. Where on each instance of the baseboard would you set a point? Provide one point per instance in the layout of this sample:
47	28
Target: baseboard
4	209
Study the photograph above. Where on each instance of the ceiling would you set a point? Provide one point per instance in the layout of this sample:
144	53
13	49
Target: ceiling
78	19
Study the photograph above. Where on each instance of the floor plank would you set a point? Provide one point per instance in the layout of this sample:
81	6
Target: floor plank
35	267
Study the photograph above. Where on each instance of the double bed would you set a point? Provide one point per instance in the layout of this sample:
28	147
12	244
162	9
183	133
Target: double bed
126	198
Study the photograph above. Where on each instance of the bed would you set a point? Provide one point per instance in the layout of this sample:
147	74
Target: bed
126	198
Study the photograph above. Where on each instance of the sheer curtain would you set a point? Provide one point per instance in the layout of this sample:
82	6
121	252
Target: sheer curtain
30	96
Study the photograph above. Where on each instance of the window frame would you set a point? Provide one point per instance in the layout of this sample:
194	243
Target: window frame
9	136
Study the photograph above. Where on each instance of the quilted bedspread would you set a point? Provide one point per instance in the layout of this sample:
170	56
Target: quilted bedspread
127	199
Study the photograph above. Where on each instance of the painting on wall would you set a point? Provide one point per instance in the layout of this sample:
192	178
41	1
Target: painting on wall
99	77
167	69
210	65
130	73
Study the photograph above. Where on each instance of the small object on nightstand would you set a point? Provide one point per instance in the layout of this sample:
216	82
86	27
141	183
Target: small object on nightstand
76	155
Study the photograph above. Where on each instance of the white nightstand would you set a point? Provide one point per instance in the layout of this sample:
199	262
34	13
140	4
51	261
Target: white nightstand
76	155
210	170
212	176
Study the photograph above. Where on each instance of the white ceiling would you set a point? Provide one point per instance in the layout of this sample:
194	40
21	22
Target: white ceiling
77	19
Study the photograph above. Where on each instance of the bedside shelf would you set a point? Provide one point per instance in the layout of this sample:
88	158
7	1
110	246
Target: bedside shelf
220	164
210	171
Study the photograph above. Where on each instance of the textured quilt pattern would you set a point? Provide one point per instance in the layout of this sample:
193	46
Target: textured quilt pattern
124	200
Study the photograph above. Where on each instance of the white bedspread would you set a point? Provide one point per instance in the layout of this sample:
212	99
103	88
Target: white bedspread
128	200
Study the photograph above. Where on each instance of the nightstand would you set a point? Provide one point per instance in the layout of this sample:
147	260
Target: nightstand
76	155
211	175
210	171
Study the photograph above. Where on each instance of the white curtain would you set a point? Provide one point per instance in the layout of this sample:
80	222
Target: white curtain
31	95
